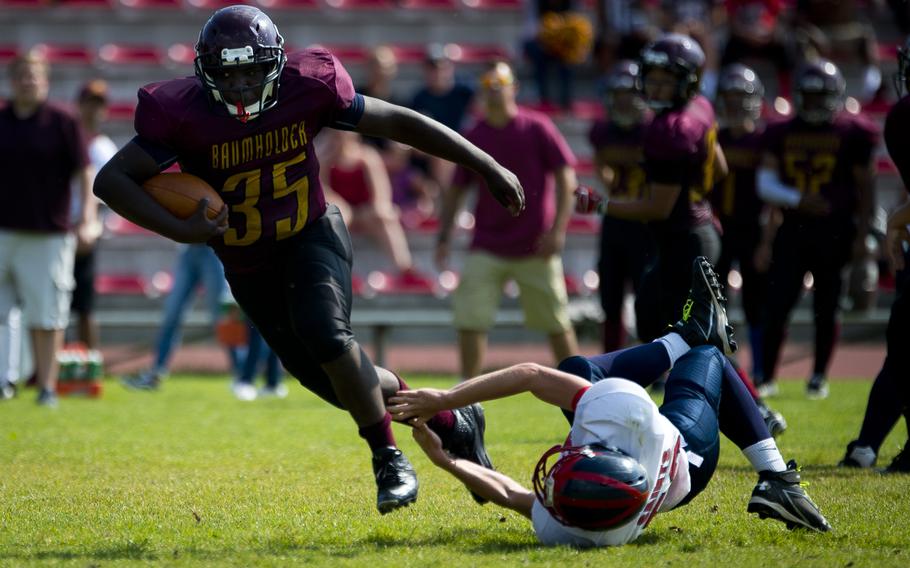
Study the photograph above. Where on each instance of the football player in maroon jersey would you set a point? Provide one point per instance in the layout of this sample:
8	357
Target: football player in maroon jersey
245	124
818	168
890	394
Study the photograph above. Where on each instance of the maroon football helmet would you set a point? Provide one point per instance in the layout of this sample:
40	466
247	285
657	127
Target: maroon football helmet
680	55
622	97
820	91
739	91
591	487
239	59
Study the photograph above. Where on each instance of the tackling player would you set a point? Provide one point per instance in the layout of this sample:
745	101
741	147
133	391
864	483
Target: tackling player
245	124
625	460
890	394
625	246
818	167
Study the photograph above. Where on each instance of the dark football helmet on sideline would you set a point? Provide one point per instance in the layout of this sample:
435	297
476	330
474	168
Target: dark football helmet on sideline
622	98
903	69
820	92
740	86
680	55
240	36
591	487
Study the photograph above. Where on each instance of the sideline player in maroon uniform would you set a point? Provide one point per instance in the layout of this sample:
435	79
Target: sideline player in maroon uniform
625	246
890	394
287	254
818	167
735	199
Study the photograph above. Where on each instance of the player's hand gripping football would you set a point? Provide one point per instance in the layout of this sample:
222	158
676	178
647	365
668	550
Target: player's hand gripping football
416	406
587	200
506	188
198	228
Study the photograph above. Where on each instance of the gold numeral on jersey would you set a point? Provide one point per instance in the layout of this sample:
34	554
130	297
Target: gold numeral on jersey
288	227
809	175
252	224
711	144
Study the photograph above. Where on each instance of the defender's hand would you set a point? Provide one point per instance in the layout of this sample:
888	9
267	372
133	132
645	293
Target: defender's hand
198	228
506	188
431	444
421	404
587	200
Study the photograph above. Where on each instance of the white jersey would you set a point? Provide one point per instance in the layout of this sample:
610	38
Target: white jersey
619	413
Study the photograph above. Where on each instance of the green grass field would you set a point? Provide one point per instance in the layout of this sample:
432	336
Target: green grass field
190	476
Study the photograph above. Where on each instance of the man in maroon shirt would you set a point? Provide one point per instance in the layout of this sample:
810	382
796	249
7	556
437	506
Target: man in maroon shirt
526	250
41	150
287	254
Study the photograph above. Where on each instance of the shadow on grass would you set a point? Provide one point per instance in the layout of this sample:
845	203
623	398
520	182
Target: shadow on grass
128	551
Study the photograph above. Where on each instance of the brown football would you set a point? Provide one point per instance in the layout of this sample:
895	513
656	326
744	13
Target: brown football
180	193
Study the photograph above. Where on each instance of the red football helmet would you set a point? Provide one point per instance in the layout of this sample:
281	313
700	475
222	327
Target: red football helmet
239	59
591	487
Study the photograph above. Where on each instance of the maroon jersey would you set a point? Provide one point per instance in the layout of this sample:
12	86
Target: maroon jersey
819	159
266	170
39	155
735	198
679	150
897	130
622	150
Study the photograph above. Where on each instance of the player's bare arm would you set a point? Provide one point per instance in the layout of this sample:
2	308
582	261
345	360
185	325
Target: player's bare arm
553	241
549	385
655	206
119	185
490	484
451	203
404	125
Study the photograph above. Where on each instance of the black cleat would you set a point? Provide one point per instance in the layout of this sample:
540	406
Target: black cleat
858	457
780	496
466	441
774	420
147	381
901	462
396	481
704	318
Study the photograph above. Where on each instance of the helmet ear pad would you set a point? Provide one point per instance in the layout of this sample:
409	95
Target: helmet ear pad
239	36
592	487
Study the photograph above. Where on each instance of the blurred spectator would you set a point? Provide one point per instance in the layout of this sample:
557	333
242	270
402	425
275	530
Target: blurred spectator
196	264
10	351
697	19
556	37
527	248
757	36
623	28
235	330
41	150
92	107
381	71
413	191
626	246
838	29
445	99
355	179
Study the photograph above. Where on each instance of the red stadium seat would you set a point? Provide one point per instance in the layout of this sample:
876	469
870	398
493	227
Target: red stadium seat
125	54
584	224
349	54
7	53
121	284
22	4
362	4
152	4
290	4
121	111
181	54
505	5
66	54
413	283
211	5
117	225
467	53
87	4
584	166
430	4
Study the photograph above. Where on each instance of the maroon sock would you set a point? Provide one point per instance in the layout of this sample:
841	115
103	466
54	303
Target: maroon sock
379	435
442	422
614	336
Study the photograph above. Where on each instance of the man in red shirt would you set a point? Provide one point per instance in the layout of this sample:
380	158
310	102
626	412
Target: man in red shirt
525	249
